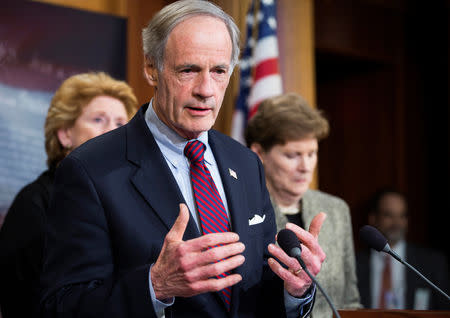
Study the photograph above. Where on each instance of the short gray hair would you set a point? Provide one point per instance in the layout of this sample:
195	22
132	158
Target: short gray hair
156	33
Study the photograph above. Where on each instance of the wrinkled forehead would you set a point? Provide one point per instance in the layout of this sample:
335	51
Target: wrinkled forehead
203	33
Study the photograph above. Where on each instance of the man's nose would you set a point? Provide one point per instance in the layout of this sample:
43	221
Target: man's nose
204	86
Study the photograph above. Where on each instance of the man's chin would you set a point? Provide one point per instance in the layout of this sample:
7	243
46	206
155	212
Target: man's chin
194	131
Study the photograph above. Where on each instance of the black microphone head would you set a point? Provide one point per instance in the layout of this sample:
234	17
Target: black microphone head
373	237
287	240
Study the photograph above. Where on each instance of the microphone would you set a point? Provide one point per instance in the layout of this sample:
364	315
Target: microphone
378	242
290	244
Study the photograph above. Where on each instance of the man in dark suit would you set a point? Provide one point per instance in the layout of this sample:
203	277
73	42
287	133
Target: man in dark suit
139	227
405	290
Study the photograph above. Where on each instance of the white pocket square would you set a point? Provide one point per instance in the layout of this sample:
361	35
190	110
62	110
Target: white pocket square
256	219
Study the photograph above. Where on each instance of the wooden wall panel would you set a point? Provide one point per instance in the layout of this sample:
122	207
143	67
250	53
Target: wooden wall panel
382	78
115	7
295	21
296	42
360	87
139	14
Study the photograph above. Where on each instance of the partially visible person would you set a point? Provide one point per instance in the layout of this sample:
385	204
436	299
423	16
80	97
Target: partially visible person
385	282
285	133
84	106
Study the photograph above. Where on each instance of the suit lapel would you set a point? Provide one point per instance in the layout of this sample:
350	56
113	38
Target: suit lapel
237	204
153	178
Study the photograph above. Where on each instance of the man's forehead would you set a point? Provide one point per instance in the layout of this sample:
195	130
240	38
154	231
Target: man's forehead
199	26
199	40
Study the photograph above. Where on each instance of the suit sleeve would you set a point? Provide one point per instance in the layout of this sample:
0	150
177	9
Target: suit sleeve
79	277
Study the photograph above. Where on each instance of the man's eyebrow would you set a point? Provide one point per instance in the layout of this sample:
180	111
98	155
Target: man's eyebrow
184	66
224	66
195	66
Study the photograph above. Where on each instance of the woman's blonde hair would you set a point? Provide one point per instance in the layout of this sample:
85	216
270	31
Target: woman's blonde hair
69	100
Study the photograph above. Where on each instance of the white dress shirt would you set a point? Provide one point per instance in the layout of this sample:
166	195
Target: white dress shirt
398	276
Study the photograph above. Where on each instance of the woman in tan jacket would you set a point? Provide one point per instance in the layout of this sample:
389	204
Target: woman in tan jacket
285	133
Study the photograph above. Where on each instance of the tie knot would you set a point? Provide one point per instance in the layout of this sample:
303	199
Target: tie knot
194	151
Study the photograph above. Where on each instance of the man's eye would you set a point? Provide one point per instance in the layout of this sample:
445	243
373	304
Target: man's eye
186	70
220	71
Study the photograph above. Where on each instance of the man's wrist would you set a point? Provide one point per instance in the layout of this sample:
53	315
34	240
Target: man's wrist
158	288
158	305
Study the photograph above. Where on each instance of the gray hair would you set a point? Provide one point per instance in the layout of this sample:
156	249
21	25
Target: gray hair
155	35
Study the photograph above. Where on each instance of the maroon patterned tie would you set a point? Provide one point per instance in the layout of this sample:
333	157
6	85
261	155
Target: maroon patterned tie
386	284
213	217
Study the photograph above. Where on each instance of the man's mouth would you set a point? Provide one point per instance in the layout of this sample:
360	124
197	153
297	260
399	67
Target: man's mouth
198	110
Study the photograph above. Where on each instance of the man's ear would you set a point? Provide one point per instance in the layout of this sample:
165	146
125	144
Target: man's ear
65	137
256	148
151	72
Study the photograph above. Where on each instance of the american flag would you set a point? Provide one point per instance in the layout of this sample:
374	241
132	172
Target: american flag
259	72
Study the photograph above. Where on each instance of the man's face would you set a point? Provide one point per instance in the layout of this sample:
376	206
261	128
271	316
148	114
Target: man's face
391	218
196	71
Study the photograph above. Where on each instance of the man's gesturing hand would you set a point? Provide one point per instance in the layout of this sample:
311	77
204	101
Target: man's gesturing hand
188	268
296	281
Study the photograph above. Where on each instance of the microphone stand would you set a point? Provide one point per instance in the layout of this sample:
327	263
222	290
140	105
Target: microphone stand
387	249
303	265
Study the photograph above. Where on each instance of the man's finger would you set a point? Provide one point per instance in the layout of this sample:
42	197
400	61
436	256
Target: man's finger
210	240
214	284
279	254
215	269
316	224
177	231
221	252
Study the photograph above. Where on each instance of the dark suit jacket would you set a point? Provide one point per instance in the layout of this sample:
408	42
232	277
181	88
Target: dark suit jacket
430	263
115	200
21	246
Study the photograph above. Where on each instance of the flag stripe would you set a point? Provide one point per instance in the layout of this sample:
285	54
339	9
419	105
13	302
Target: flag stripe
266	68
264	88
266	48
259	72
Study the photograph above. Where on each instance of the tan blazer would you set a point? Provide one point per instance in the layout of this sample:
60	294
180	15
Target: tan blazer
338	274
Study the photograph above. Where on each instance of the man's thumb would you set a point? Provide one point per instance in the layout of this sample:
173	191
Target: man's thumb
177	231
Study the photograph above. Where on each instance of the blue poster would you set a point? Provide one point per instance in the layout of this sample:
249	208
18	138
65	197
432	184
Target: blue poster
40	46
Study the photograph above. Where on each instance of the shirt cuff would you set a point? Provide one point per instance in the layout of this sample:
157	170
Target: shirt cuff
158	305
294	306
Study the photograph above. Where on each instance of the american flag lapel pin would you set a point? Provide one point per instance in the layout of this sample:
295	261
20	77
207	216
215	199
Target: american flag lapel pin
232	173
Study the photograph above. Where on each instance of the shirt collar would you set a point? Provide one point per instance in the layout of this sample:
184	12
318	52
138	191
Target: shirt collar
400	248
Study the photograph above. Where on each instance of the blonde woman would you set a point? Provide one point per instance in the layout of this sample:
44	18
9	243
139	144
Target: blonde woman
84	106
